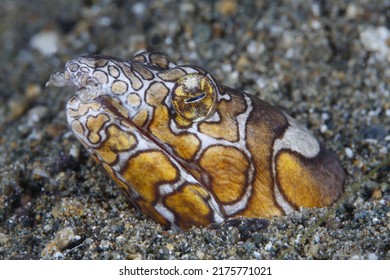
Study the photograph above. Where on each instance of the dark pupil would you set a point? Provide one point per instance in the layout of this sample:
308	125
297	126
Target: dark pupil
196	98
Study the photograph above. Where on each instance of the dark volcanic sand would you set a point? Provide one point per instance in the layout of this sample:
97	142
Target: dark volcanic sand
326	64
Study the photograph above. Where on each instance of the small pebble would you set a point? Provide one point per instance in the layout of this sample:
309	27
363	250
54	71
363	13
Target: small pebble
46	42
268	247
200	255
353	11
105	245
170	247
138	9
375	39
36	114
74	151
120	240
257	255
61	240
348	152
33	91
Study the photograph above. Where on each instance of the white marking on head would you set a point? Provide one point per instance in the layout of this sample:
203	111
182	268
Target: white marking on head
297	138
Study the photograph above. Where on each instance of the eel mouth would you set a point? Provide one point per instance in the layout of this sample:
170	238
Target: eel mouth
88	90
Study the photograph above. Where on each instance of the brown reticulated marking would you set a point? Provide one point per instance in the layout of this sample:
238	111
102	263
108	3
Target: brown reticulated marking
101	76
139	58
116	142
161	60
73	67
84	69
84	78
141	69
73	100
172	75
113	71
134	100
136	83
185	144
315	182
93	62
190	207
116	104
94	125
261	133
228	168
182	123
227	127
146	171
77	127
83	108
119	87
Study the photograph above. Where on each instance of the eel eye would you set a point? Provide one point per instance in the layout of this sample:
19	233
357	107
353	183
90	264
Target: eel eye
194	97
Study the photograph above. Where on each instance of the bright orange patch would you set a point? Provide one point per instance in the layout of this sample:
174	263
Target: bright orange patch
228	168
146	171
227	128
189	206
299	185
94	125
117	141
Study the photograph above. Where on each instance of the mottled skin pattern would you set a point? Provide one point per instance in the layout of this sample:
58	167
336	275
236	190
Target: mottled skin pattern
188	151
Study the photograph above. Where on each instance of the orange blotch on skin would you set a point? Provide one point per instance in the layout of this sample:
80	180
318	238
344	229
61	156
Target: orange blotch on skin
77	128
172	74
119	87
304	185
228	168
94	125
141	117
144	206
227	128
146	171
114	71
117	141
134	100
181	122
189	206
